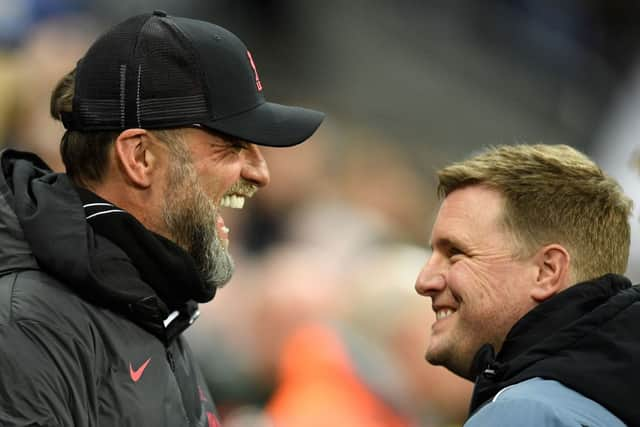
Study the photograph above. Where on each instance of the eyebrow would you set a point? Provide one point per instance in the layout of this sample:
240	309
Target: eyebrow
238	141
445	242
229	139
233	141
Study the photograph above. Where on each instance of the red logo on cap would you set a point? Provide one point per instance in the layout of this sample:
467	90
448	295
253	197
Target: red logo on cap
255	71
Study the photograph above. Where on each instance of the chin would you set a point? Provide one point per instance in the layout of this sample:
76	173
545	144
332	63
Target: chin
448	358
222	268
434	357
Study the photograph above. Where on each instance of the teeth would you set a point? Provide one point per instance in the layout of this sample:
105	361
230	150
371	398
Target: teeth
239	201
233	201
225	229
445	312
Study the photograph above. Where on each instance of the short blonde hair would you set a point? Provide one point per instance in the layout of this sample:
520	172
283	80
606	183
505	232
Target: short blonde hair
553	194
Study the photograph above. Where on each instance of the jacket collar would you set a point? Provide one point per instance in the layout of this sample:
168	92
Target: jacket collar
166	267
113	262
554	338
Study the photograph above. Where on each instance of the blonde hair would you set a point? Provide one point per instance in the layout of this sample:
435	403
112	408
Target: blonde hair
553	194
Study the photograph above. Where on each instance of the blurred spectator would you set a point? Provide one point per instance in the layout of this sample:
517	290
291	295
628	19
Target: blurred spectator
319	386
9	76
618	145
17	17
382	309
359	366
289	286
49	51
333	338
350	177
304	176
224	344
379	177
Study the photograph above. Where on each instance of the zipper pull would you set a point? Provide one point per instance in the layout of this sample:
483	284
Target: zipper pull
489	372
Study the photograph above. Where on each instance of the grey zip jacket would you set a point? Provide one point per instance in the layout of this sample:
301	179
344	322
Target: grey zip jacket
92	308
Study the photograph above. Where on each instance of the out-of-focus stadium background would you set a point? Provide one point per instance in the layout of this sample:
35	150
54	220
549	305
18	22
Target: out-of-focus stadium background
321	326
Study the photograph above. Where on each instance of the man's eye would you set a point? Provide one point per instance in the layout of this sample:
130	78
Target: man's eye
237	145
454	251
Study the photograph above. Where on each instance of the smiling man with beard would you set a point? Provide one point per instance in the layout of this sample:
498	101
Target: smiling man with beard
102	267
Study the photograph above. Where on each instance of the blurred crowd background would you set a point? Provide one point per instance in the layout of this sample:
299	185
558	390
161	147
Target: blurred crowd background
321	325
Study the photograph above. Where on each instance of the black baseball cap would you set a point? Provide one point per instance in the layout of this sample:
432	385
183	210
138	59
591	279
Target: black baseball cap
156	71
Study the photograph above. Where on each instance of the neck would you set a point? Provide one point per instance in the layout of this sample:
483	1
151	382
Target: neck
139	202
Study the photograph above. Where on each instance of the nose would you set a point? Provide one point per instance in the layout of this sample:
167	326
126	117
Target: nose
255	167
429	283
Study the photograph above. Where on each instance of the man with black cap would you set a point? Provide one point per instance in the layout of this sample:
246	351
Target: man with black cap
101	268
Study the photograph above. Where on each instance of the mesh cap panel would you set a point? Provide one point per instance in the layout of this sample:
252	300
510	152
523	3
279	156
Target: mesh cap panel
101	76
167	66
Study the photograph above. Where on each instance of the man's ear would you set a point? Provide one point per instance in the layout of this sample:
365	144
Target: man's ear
134	158
554	272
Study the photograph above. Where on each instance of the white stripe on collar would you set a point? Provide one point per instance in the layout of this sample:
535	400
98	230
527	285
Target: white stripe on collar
106	212
88	205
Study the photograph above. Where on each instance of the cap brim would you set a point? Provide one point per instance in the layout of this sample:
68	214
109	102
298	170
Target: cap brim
271	124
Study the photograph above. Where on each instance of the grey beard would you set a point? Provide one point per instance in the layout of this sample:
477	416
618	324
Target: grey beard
190	218
193	228
217	266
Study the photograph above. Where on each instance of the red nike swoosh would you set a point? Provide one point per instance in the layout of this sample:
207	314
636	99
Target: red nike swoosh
135	375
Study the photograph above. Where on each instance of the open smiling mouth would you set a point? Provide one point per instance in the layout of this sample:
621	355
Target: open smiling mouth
443	313
232	201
